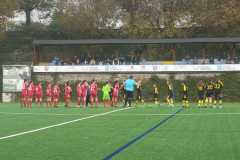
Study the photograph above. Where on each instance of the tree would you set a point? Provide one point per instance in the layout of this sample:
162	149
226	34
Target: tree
30	5
7	8
85	15
152	17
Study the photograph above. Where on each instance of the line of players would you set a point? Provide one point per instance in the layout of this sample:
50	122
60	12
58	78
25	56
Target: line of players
86	93
209	93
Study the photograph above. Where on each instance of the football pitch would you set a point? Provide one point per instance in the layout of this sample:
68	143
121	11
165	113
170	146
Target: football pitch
147	132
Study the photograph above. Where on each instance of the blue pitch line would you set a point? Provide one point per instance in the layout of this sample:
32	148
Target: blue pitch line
120	149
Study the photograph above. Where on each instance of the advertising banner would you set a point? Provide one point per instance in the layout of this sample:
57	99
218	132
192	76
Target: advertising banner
13	76
137	68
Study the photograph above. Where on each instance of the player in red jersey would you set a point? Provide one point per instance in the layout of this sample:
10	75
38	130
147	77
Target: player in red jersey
24	94
84	87
38	93
93	93
79	93
55	95
123	92
115	93
30	91
49	94
67	94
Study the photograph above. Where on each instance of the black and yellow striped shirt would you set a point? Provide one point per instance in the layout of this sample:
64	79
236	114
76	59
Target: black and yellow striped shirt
184	88
210	86
218	85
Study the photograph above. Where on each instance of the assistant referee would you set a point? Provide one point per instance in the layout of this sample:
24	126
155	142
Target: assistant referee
129	88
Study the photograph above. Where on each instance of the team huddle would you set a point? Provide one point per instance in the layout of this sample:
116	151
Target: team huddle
209	93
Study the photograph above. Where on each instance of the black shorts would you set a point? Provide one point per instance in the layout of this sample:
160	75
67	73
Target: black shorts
155	95
200	95
123	93
185	97
139	95
110	94
170	95
209	94
217	95
129	94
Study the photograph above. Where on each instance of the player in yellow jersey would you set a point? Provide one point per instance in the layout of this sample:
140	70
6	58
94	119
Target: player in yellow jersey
218	86
184	90
139	92
200	90
209	94
170	94
155	94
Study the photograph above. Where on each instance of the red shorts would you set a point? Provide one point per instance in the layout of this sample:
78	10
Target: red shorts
38	96
55	96
84	94
115	94
24	93
79	94
94	94
67	96
30	95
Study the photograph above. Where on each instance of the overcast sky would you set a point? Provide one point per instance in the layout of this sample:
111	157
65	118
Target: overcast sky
36	17
20	18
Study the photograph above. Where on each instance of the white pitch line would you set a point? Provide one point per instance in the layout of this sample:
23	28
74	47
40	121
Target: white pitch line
131	114
44	114
180	114
60	124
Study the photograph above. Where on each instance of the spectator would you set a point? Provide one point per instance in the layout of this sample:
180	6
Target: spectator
85	61
211	60
92	61
56	61
134	60
195	60
236	60
82	59
121	60
78	61
75	60
138	59
116	61
108	62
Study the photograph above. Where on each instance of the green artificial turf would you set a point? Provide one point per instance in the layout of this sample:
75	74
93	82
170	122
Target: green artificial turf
204	134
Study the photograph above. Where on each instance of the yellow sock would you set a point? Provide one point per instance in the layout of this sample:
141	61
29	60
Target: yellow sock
183	103
220	102
215	102
171	102
210	101
206	102
199	103
168	101
187	103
